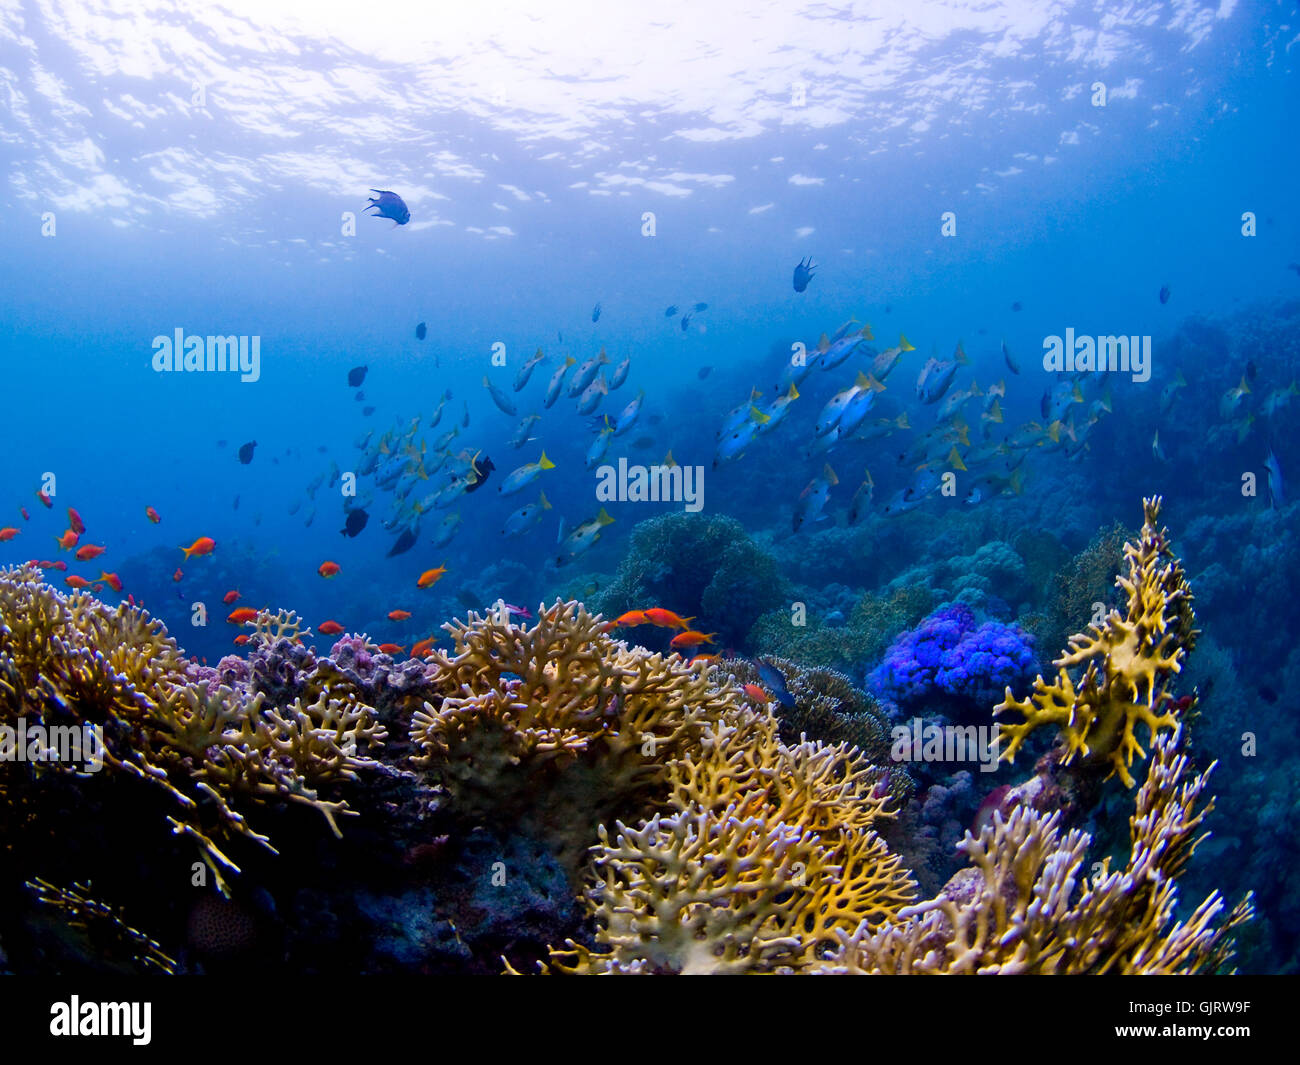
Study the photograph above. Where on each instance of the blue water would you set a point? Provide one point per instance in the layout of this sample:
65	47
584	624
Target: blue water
529	151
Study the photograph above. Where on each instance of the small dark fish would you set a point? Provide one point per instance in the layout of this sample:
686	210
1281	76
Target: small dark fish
643	442
774	680
404	542
482	468
1164	293
559	337
356	521
388	205
1016	305
803	273
686	321
360	396
246	452
421	331
703	372
701	307
356	375
595	313
670	311
235	504
1267	694
366	412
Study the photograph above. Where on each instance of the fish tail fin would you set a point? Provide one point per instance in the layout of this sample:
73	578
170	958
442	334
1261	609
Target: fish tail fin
905	344
954	459
829	474
757	415
1179	379
794	392
994	413
866	331
545	463
1054	432
603	517
1244	386
902	422
975	389
1017	480
545	503
959	356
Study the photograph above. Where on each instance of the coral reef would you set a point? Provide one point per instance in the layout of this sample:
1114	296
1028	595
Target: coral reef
949	654
1127	659
699	565
1016	910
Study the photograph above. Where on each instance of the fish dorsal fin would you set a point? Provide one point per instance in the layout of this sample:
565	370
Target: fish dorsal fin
829	474
669	461
543	502
823	345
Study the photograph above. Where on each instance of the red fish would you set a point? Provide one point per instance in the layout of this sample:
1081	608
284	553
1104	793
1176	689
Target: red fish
398	615
241	639
45	499
632	617
202	546
691	638
241	614
666	619
88	551
178	574
231	596
424	647
76	582
68	540
391	648
74	521
757	694
26	516
328	569
152	515
7	533
329	628
112	580
430	577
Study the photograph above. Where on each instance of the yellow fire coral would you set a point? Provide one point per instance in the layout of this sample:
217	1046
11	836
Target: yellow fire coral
1127	659
768	855
1026	907
558	727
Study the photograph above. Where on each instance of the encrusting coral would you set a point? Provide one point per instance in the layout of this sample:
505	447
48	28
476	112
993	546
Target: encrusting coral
1128	660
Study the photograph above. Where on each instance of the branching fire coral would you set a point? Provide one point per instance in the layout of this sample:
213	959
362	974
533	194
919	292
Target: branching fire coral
1026	907
1128	660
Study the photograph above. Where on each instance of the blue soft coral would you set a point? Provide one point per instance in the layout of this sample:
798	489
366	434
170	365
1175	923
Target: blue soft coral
949	654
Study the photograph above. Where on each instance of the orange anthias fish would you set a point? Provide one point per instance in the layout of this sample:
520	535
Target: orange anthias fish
391	648
398	615
178	574
632	617
666	619
76	582
202	546
74	521
112	580
241	614
241	639
691	638
328	569
329	628
231	596
701	660
26	516
88	551
423	648
757	694
152	515
60	565
45	499
7	533
68	540
431	577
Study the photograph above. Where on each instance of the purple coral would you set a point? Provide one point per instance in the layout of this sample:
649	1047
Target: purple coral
949	654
